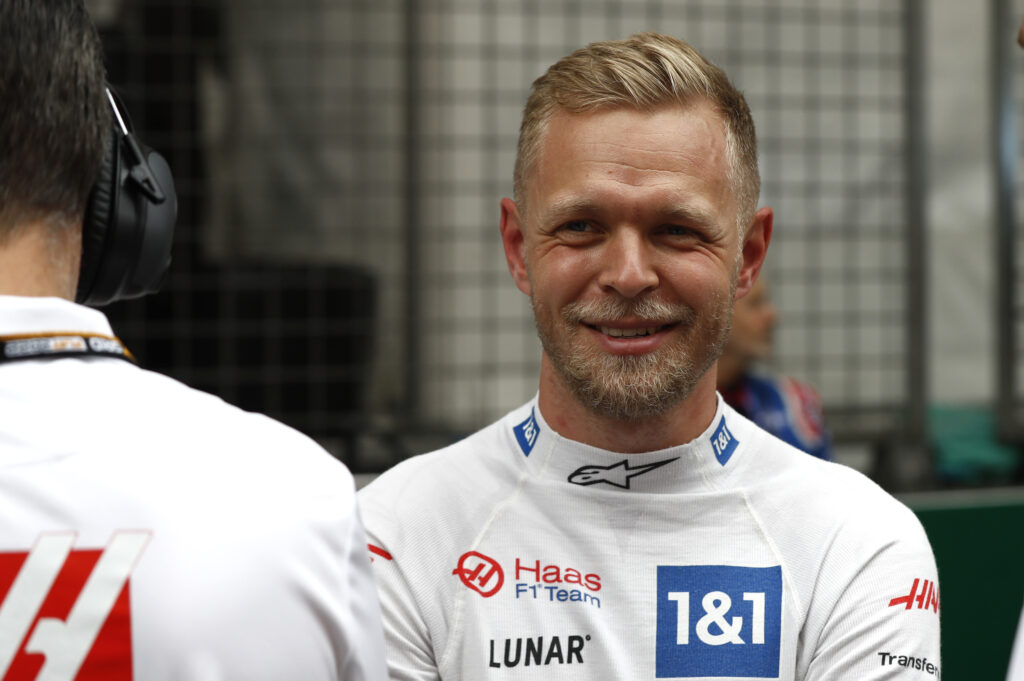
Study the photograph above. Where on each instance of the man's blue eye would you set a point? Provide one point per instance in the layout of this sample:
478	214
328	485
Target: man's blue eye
577	226
676	230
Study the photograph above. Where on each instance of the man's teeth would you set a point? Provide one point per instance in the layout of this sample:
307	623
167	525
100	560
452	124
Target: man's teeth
628	333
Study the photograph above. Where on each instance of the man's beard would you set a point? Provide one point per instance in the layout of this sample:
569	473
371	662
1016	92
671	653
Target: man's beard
634	387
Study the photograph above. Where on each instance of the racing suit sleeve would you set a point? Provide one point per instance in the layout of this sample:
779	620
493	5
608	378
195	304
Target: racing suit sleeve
880	619
407	641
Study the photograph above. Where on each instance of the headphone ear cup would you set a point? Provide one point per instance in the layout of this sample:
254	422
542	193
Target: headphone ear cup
99	216
128	228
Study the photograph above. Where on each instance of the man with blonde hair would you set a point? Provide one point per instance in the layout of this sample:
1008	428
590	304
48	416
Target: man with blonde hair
626	523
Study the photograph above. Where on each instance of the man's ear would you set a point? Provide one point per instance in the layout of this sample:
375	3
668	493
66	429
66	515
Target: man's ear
513	239
755	247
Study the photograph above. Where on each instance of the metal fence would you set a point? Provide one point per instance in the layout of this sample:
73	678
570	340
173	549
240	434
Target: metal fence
338	263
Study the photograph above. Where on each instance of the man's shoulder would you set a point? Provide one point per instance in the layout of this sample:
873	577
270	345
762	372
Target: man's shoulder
828	497
158	416
168	393
463	463
852	493
463	476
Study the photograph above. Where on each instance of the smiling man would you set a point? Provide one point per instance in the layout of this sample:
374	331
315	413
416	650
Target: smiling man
626	523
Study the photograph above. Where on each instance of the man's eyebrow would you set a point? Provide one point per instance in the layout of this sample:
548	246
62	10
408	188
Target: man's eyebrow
691	215
572	205
561	209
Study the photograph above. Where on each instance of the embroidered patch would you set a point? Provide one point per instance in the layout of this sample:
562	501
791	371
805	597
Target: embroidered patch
526	434
718	620
723	442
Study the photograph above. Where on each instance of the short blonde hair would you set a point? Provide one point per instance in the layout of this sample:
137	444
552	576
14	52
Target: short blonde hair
644	72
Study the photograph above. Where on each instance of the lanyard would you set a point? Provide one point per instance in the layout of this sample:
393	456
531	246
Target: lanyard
62	344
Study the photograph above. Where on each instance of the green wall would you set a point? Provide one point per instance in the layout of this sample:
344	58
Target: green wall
978	538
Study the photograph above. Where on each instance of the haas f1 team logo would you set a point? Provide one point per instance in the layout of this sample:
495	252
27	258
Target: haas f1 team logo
480	573
65	614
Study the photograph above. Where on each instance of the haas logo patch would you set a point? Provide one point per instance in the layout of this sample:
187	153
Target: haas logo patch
65	614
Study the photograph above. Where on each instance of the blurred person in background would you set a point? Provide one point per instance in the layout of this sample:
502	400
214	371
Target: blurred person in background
1015	672
626	523
788	409
147	530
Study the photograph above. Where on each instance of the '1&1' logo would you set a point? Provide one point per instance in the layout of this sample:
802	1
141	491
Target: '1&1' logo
526	433
718	620
723	442
66	614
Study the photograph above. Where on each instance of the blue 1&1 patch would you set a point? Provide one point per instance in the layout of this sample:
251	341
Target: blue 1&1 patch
718	620
526	434
723	442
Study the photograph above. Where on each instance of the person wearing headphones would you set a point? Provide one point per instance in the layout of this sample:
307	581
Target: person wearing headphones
147	530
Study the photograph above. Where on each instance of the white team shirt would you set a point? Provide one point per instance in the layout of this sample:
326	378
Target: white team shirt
519	554
151	531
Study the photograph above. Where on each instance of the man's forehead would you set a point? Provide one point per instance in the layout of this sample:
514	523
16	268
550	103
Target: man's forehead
674	156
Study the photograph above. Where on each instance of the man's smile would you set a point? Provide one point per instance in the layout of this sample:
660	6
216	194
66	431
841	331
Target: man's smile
629	332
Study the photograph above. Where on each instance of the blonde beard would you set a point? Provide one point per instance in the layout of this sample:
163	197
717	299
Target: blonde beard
634	387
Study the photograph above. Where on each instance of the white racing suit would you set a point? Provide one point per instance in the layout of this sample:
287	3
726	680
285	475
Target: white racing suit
518	554
152	532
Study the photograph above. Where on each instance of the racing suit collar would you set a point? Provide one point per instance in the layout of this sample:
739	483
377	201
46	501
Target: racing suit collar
23	315
699	465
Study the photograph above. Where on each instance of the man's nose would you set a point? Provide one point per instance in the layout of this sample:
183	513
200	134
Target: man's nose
627	265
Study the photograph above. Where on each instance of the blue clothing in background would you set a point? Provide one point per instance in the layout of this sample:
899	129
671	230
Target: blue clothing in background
786	408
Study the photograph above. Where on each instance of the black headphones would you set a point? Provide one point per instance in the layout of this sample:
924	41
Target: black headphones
129	221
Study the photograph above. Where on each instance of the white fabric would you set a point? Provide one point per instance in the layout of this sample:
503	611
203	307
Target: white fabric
733	556
1016	670
245	553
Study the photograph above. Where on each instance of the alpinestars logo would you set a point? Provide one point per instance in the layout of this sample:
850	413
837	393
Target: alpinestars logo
617	475
66	614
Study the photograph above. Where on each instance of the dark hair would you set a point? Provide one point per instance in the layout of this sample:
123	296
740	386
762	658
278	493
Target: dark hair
54	116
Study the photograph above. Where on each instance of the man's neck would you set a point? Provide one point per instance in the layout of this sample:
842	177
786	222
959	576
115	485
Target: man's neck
680	424
36	261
